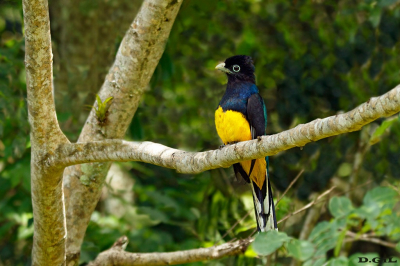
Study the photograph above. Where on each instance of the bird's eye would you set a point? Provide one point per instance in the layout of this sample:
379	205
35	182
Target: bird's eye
236	68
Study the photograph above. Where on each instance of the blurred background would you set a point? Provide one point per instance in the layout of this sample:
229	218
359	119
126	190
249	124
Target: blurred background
313	59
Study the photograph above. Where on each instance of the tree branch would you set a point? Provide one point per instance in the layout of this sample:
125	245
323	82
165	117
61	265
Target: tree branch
126	81
39	75
367	238
312	203
47	196
118	257
290	185
195	162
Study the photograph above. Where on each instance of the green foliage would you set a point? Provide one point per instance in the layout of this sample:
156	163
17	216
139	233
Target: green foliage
341	261
269	242
376	213
376	136
300	249
340	206
16	223
102	109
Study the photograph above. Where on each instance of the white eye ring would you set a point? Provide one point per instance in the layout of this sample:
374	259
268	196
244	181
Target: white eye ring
236	68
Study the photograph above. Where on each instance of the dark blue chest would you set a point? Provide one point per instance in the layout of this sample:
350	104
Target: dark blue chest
236	96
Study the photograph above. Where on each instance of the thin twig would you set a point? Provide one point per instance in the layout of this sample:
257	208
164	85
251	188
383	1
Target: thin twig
226	179
365	237
393	187
318	201
290	185
344	192
248	213
315	201
233	226
252	233
311	218
308	205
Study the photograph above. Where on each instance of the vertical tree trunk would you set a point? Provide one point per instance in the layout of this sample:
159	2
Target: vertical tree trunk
47	196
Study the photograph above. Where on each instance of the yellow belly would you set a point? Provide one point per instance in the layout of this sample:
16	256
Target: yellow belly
232	126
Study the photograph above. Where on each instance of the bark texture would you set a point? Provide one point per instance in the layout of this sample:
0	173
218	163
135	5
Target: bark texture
118	257
195	162
126	81
79	66
46	180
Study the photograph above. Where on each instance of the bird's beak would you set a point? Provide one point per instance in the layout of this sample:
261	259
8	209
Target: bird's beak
223	68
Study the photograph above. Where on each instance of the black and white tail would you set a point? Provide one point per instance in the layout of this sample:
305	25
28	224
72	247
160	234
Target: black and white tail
264	206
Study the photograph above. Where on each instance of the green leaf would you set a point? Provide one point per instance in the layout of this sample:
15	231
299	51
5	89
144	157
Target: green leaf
98	99
345	169
339	243
340	206
25	232
319	229
325	244
102	108
324	237
398	247
85	180
300	249
341	261
376	137
315	262
375	16
380	196
108	100
358	259
268	242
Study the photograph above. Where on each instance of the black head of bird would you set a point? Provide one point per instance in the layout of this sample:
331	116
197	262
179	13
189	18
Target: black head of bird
238	68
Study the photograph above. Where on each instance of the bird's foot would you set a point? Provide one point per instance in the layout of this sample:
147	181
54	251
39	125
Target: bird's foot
229	143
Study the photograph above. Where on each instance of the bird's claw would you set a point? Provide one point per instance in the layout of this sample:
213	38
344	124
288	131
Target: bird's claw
229	143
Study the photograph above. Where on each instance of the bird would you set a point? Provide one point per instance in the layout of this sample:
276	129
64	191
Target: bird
241	115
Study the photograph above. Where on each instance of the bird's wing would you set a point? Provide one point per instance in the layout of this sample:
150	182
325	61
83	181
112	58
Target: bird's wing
257	117
263	200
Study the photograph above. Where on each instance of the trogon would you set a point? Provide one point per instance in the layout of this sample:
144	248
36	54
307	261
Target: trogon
240	116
